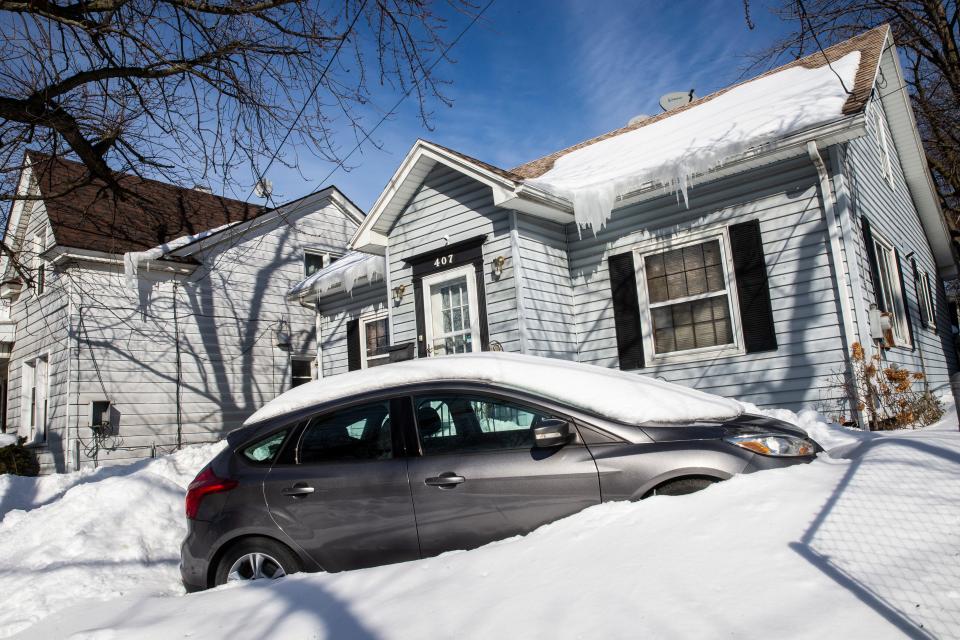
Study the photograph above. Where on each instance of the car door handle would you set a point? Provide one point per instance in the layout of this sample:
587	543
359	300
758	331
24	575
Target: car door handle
446	480
298	490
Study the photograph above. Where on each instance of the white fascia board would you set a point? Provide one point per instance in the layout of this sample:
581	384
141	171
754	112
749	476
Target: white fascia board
913	160
58	254
11	230
836	132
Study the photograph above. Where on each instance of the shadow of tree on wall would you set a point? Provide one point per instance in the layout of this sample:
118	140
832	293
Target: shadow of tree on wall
888	534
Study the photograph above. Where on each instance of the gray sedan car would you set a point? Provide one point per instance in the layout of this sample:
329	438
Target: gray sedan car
410	471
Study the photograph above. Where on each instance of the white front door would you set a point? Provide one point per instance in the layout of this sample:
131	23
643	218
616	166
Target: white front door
452	318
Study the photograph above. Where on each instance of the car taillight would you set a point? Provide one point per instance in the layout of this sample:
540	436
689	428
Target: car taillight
205	483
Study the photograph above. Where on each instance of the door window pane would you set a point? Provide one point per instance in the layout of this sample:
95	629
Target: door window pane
357	433
452	423
450	307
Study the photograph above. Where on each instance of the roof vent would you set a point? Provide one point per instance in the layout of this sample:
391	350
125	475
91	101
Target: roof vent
637	119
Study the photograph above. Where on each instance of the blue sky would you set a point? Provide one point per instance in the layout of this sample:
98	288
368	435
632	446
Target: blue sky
539	75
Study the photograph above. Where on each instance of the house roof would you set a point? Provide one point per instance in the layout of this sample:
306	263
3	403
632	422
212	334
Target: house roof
90	217
869	44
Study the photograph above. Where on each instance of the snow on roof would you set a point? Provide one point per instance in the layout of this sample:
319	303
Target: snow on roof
343	274
133	259
673	150
622	396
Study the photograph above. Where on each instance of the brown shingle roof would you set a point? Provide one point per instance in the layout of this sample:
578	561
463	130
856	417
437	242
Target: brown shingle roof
870	45
90	217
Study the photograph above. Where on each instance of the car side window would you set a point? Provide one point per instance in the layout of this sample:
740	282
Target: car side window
454	423
265	450
354	433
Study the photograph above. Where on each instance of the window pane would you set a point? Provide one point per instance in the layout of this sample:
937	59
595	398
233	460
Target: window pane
358	433
265	450
378	337
657	288
458	423
312	263
301	371
692	325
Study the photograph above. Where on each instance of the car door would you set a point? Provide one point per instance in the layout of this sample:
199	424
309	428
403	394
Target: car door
345	497
480	478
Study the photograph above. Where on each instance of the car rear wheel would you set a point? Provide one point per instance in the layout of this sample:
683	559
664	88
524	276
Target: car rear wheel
681	487
255	559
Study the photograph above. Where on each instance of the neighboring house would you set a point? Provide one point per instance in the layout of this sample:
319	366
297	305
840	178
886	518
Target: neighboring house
735	244
134	326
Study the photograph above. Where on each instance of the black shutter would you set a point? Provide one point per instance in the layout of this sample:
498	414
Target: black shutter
626	311
872	259
906	302
421	321
482	304
753	289
353	345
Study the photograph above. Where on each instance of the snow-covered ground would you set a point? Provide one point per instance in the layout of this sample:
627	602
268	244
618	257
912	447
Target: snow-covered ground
862	543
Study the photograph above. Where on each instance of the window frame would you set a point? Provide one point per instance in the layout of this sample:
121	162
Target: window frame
311	361
365	319
662	244
29	397
884	250
924	297
468	272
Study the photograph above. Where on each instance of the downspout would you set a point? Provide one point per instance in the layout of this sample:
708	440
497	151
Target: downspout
389	282
319	324
67	451
176	333
836	256
518	281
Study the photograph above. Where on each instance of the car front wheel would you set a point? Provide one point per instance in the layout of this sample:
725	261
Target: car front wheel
255	559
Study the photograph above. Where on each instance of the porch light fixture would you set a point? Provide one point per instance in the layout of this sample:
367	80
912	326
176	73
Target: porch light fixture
398	292
498	263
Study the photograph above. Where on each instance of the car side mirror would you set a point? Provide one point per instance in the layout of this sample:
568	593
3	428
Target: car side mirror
552	432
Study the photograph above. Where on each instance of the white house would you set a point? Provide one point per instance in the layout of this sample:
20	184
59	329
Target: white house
735	244
106	361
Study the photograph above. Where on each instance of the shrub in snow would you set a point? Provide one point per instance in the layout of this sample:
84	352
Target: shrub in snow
885	393
18	459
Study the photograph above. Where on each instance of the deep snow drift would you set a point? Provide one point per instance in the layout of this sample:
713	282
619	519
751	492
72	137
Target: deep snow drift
620	395
862	547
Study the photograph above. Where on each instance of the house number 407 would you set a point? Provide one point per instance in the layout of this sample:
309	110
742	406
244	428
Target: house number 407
443	261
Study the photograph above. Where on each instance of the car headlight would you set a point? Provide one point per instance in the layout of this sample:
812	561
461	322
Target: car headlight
775	445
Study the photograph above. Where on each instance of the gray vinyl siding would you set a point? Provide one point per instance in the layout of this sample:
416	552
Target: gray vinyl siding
892	214
42	328
453	205
333	328
803	284
225	319
548	313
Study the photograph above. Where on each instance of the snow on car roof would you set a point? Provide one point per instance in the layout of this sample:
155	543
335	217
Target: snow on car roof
673	151
621	396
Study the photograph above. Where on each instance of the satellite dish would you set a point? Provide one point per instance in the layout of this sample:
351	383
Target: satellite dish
670	101
637	119
263	188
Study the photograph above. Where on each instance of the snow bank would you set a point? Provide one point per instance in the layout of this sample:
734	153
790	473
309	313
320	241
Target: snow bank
622	396
7	439
689	143
848	548
343	274
133	259
95	534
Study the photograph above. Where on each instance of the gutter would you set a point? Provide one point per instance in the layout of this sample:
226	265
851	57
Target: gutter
836	256
57	255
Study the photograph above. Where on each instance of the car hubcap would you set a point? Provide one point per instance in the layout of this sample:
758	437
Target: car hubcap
254	566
